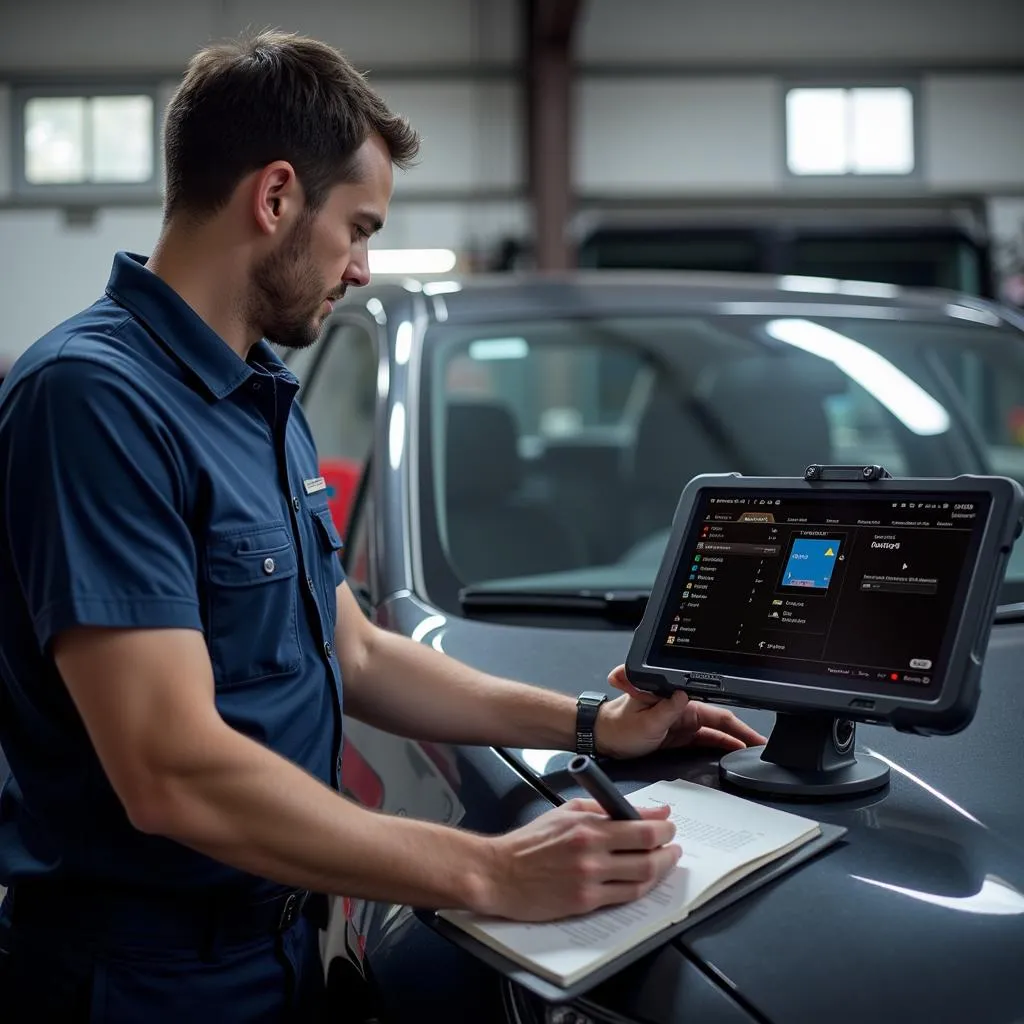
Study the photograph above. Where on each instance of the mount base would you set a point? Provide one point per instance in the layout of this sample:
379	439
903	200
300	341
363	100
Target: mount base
745	769
807	755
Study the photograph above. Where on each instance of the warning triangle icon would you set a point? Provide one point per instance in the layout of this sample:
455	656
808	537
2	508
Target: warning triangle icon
830	553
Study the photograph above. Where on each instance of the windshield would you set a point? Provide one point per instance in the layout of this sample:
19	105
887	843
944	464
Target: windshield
558	448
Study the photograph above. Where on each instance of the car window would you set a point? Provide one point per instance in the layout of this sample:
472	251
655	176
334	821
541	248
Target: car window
992	389
340	397
552	386
559	448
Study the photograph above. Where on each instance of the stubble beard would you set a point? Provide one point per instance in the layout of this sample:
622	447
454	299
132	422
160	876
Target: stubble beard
287	292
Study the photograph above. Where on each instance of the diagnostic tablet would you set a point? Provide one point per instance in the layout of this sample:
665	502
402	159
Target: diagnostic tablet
869	599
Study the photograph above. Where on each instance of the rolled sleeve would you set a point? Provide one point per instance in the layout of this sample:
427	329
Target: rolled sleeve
94	504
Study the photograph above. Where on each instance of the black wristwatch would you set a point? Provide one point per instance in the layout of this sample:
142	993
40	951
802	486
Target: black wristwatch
588	704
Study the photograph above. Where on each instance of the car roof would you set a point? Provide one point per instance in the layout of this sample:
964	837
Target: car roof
606	292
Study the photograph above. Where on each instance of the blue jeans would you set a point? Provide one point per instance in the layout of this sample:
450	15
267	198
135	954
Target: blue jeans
68	975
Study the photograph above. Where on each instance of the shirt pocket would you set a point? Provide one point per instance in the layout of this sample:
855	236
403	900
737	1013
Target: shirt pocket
329	549
252	623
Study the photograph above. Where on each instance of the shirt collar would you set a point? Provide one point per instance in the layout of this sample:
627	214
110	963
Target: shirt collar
189	338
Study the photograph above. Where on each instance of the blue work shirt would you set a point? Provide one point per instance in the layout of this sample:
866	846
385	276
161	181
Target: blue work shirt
151	478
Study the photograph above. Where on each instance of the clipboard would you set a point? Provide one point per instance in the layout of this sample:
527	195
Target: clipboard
552	993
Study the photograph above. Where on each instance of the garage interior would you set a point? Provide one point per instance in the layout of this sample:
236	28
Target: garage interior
676	155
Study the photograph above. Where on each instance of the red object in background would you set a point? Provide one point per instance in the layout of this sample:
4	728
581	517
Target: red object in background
359	780
1015	424
342	478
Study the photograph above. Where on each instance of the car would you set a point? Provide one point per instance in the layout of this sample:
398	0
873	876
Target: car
523	440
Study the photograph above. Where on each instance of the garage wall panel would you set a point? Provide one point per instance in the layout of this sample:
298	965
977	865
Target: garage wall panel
472	136
60	269
698	33
973	131
117	35
665	136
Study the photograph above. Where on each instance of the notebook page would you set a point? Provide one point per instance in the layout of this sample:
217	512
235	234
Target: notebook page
719	832
564	949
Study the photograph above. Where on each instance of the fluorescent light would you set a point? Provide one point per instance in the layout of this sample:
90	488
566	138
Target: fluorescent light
498	348
403	342
396	435
903	397
871	289
441	287
800	283
833	286
411	261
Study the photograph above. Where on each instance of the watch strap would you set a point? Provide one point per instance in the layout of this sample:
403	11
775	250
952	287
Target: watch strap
588	704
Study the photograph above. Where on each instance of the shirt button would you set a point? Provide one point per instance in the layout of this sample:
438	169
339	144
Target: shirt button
255	385
328	648
295	503
269	565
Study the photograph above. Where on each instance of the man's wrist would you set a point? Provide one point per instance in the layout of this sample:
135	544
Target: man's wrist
479	894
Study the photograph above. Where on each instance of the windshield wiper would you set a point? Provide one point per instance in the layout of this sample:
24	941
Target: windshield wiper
1008	613
626	606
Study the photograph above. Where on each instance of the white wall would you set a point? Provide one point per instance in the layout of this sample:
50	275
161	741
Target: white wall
60	269
669	135
673	136
471	134
973	131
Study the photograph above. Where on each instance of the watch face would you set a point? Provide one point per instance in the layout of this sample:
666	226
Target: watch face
591	697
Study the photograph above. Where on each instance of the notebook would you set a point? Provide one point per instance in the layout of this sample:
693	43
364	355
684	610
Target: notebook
724	839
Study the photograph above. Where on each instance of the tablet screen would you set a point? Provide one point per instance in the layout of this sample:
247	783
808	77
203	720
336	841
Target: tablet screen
856	591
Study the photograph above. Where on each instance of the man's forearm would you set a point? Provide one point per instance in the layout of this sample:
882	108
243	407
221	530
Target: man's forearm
412	690
244	805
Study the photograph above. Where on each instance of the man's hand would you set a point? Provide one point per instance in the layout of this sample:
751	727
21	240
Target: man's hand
574	859
638	723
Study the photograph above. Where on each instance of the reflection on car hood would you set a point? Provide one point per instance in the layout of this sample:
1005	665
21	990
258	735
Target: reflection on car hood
918	915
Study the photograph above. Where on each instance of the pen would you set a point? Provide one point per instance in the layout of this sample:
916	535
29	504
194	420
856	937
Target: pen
592	778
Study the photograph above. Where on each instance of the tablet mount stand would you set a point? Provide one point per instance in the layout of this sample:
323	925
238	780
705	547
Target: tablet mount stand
807	755
810	754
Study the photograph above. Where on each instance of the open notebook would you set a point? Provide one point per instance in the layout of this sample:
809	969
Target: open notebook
724	839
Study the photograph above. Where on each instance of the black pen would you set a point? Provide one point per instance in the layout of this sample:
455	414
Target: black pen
592	778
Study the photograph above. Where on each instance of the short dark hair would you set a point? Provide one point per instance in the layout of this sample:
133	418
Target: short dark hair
272	96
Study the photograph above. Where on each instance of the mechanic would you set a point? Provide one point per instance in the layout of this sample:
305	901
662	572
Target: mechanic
176	628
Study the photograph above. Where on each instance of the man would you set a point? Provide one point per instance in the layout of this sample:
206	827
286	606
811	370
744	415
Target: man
176	629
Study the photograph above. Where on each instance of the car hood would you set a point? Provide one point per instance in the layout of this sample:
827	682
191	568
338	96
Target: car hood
918	914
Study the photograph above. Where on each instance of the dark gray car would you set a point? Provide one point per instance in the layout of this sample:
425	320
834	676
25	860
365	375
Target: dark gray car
530	435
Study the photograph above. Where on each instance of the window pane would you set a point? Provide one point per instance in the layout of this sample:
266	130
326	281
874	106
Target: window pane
816	131
122	138
883	131
342	398
54	140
